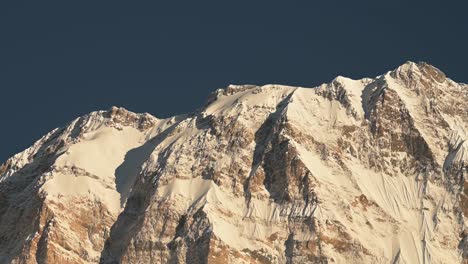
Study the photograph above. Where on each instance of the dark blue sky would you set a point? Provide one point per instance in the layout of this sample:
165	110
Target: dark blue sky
63	59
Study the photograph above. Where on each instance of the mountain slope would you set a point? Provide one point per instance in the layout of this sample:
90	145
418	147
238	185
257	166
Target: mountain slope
354	171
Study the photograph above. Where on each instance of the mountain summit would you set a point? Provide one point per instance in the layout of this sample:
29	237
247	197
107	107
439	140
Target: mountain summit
352	171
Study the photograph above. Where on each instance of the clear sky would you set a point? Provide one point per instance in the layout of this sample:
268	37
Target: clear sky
62	59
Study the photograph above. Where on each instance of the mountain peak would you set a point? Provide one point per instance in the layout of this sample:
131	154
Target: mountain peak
411	71
353	171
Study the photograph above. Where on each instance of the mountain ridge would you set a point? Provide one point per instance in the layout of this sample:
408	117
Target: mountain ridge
260	174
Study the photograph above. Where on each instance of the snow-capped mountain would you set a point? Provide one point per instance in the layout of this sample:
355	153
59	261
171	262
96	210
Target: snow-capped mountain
353	171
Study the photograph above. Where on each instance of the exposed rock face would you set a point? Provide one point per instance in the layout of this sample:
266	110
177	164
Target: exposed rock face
354	171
